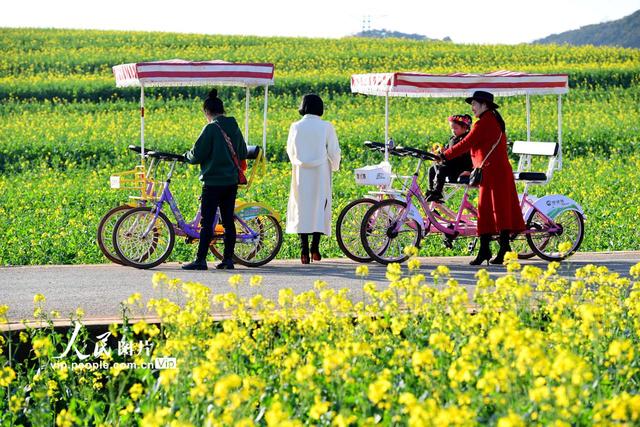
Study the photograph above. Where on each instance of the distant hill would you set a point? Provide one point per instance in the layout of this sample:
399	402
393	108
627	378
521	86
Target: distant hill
385	34
624	32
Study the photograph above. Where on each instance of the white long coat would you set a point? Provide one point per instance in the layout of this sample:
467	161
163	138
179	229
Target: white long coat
314	153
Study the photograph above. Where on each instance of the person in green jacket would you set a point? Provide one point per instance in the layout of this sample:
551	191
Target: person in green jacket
219	176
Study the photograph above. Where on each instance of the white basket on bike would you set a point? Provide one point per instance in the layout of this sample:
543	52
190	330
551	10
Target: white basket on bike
379	174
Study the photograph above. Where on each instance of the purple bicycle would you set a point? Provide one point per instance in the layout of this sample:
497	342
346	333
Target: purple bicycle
144	237
554	223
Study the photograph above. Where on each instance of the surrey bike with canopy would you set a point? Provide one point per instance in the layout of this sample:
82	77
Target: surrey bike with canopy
143	237
555	223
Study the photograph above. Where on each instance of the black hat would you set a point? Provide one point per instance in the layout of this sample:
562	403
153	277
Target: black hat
484	97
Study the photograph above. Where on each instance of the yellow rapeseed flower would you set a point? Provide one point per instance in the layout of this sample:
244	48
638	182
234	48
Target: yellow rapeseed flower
42	346
136	391
65	419
134	298
16	403
235	280
635	271
394	272
7	375
319	408
39	298
564	247
158	278
511	420
363	270
378	389
155	418
414	264
255	281
343	421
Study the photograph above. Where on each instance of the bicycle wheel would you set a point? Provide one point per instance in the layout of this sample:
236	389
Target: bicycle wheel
135	248
520	244
546	244
348	229
105	232
258	240
380	239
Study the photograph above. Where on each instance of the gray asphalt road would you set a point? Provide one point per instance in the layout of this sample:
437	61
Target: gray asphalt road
98	289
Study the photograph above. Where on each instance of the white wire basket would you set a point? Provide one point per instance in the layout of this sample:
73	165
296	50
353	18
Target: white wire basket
379	174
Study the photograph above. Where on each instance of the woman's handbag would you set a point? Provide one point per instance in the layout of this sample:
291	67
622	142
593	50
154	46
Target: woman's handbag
476	174
242	179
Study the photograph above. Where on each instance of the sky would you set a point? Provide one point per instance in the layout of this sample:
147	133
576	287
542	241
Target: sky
487	21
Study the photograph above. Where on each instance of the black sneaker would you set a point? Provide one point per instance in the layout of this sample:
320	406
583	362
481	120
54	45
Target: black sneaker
195	265
226	264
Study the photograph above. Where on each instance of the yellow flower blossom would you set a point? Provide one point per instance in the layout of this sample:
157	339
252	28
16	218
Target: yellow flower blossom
65	419
362	270
511	420
7	375
319	408
378	389
136	391
394	271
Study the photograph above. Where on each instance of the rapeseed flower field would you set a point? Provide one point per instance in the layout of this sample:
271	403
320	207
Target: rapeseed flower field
528	348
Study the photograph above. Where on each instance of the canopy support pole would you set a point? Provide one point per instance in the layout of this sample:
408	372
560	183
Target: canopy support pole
246	115
142	122
559	161
264	121
528	101
386	127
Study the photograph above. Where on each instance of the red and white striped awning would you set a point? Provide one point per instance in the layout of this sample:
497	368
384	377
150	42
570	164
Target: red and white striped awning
177	72
500	83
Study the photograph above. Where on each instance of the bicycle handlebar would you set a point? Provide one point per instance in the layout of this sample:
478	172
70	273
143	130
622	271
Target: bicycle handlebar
167	156
401	151
138	149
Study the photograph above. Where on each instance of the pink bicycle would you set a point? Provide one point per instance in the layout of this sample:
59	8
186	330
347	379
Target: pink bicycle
554	224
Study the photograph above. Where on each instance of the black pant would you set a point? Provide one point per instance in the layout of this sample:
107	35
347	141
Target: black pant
438	174
214	197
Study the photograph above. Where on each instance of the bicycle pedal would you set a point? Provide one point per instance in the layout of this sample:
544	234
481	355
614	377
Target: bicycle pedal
189	240
448	243
472	245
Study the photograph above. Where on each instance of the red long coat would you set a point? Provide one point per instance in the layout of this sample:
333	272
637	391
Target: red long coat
498	205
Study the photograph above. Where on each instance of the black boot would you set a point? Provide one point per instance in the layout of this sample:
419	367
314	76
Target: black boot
484	253
198	264
304	248
315	247
504	248
226	264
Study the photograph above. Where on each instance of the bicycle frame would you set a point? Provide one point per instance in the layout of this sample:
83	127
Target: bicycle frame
463	225
190	229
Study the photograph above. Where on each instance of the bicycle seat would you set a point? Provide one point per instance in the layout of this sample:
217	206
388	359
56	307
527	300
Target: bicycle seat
167	156
253	151
530	176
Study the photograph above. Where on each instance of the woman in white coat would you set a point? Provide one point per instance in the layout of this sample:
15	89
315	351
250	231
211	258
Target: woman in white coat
314	153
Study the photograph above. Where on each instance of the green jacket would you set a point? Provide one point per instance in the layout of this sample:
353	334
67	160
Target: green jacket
212	153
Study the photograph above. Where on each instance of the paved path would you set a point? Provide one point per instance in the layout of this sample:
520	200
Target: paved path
98	289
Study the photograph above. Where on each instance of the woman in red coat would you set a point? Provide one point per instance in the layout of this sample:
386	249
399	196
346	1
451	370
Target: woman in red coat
499	210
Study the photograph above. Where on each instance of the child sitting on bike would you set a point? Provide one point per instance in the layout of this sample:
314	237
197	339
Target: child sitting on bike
451	169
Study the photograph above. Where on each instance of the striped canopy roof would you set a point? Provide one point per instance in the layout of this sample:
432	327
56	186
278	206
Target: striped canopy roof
500	83
177	72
